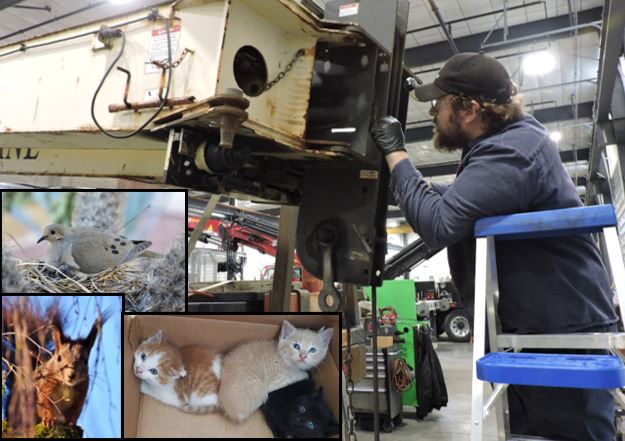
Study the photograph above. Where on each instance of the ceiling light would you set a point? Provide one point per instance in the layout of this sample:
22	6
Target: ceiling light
555	136
538	63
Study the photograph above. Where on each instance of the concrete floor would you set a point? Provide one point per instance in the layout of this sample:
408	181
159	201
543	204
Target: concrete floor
451	423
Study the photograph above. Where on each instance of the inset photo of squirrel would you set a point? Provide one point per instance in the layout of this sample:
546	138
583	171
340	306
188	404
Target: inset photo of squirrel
60	366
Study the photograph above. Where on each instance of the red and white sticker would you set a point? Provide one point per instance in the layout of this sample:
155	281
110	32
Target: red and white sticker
158	48
348	10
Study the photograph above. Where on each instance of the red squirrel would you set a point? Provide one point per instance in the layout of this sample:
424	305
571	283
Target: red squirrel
62	381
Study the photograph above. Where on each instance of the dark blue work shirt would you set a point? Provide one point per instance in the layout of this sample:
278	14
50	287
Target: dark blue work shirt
546	285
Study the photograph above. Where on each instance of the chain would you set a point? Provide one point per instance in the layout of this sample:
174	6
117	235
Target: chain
349	382
287	68
176	63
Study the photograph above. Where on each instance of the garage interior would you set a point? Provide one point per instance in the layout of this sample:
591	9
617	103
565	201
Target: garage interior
261	110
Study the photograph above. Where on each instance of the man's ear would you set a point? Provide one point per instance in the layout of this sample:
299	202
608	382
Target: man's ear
472	112
475	107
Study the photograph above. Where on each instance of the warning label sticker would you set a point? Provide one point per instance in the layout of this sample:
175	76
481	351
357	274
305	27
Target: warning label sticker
158	48
348	10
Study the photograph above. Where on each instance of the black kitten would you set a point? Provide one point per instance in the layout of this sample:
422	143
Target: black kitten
299	411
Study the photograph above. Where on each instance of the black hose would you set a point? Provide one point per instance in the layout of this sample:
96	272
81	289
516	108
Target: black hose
108	71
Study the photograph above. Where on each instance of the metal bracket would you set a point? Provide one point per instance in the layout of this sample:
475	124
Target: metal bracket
136	106
327	236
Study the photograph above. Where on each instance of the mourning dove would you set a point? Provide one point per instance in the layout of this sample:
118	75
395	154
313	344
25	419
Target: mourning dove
88	250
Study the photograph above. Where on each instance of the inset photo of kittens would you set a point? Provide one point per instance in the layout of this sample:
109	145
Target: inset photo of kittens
224	376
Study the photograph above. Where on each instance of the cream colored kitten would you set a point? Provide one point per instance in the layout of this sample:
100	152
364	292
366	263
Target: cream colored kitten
187	378
254	369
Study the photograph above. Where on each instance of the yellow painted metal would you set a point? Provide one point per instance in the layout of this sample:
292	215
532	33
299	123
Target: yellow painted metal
85	162
402	229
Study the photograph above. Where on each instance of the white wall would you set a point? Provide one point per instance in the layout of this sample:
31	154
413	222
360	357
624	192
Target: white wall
255	263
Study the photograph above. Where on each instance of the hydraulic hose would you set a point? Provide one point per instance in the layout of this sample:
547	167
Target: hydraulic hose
112	33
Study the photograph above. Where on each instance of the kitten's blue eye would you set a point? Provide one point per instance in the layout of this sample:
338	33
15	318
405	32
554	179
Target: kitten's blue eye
142	357
302	409
296	346
153	371
312	350
310	425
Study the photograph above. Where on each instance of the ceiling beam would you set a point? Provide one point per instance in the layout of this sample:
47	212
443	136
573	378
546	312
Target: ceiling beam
548	115
450	23
610	86
563	113
54	19
4	4
440	51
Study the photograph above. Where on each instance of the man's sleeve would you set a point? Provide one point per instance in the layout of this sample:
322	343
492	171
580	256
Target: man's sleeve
439	188
497	180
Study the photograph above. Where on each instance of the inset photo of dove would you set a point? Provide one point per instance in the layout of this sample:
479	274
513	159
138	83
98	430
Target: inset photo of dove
89	250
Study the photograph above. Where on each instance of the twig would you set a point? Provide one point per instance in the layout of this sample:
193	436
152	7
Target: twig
34	342
132	219
17	243
60	272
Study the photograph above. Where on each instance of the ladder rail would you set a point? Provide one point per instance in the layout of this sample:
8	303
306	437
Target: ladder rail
520	226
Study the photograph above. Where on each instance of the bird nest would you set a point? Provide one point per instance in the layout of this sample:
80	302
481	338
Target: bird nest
129	279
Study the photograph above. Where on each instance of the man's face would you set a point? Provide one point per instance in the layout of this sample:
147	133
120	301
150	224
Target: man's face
448	132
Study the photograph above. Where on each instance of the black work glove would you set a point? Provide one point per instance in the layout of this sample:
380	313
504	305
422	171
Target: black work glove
388	135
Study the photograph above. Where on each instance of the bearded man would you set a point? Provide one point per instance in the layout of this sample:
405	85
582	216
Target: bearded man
509	164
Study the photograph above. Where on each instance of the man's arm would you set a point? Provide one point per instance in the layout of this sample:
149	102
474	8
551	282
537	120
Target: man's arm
490	184
497	180
394	158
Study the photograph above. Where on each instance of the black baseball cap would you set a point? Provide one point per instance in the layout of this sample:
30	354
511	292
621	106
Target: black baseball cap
470	74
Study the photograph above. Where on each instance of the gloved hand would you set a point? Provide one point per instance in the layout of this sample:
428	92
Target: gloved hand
388	135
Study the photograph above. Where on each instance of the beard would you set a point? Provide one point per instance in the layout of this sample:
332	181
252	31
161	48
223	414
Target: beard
451	138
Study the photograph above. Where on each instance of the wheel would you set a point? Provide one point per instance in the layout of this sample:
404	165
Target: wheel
457	326
398	420
365	423
387	425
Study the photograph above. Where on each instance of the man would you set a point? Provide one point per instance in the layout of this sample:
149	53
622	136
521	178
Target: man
508	165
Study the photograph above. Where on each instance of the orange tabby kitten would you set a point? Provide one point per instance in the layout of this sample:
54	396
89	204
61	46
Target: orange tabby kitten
187	378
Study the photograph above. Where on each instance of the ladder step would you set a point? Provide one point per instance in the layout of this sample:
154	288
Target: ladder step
526	438
580	340
549	223
552	370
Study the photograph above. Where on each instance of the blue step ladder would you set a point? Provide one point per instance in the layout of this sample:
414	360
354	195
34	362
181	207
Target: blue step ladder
505	365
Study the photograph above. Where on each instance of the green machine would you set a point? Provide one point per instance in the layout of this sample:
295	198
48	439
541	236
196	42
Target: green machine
400	294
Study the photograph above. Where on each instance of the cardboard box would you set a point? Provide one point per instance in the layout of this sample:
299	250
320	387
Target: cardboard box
359	362
146	417
385	342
